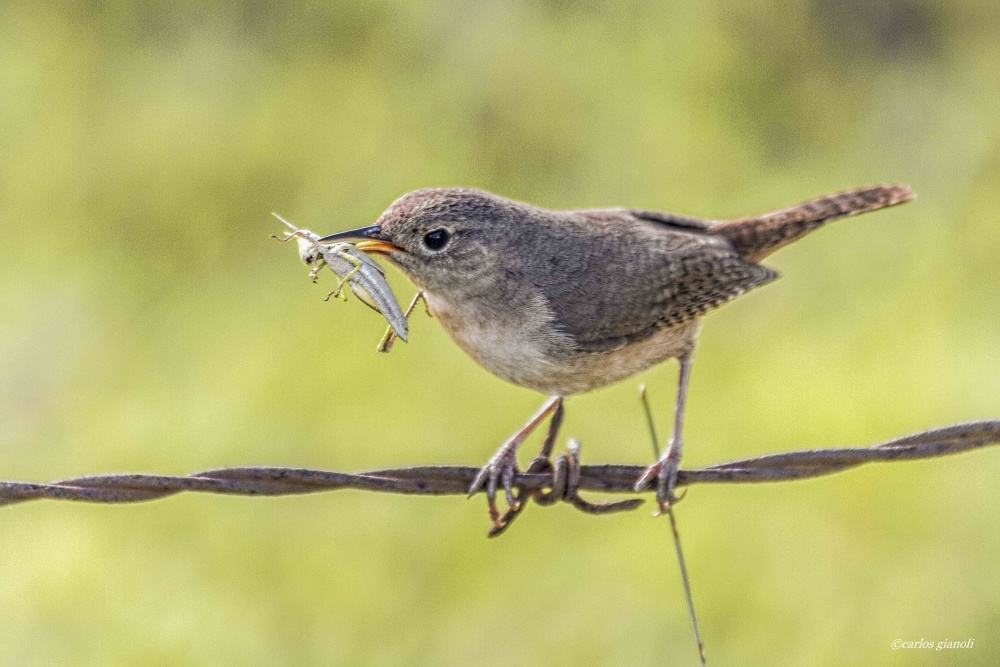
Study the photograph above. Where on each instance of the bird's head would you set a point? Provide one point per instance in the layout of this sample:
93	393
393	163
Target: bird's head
443	239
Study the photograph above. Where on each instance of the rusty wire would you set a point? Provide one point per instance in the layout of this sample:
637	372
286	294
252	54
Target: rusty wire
544	481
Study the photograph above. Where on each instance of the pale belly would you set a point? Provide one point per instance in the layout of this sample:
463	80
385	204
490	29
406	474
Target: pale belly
526	352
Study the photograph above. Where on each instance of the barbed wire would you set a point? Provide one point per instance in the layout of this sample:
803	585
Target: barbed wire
544	481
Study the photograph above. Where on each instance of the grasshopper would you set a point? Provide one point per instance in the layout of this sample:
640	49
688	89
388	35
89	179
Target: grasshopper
360	273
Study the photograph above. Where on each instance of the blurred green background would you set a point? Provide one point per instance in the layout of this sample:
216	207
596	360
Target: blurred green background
148	324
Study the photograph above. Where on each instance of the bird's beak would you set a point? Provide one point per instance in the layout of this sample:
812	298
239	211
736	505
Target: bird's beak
374	241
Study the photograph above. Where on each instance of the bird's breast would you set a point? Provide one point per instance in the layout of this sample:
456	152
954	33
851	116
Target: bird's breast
518	343
521	344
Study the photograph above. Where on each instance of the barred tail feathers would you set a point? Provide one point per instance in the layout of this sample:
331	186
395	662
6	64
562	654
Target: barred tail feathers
757	237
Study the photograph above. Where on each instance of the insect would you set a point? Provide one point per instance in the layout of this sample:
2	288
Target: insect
360	273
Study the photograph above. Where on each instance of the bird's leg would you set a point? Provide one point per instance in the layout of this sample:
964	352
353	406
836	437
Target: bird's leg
665	469
555	423
503	464
541	463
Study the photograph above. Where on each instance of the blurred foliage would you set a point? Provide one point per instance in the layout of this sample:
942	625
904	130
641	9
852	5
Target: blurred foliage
146	323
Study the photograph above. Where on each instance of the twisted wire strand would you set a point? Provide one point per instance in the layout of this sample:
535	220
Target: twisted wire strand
545	481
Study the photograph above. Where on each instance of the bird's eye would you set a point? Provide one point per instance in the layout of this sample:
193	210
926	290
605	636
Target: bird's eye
437	239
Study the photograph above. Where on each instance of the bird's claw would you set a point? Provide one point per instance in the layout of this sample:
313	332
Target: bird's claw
499	470
665	472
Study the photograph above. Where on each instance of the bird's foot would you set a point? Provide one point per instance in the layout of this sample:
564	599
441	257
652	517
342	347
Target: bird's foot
665	472
500	469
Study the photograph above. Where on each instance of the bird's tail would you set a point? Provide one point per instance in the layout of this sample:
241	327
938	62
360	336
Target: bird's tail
757	237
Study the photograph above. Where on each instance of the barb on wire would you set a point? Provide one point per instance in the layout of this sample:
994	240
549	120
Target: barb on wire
562	479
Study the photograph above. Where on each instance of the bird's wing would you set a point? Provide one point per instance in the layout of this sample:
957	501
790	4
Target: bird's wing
672	220
655	271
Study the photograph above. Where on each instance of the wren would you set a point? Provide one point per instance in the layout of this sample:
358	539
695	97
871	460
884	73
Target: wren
564	302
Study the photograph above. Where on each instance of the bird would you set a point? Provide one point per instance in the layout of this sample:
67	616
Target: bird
568	301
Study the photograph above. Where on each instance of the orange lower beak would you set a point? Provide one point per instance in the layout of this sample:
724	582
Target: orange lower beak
377	246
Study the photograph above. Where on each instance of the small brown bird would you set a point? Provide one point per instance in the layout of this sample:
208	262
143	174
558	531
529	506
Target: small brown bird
564	302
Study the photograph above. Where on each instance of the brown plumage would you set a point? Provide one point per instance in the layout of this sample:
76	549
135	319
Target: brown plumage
757	237
568	301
